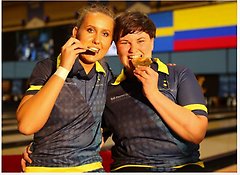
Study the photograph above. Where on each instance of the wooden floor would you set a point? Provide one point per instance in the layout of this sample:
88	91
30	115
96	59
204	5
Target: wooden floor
229	169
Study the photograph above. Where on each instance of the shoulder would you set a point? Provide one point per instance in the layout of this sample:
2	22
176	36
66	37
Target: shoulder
107	69
105	65
43	70
181	73
48	62
179	70
170	69
48	65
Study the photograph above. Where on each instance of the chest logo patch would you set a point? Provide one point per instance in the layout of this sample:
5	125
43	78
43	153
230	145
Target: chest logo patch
119	97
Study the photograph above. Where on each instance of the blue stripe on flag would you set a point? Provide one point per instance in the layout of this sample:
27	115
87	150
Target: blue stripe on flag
163	44
206	33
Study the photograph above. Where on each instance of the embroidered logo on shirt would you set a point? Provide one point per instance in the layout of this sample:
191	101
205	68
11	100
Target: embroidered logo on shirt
119	97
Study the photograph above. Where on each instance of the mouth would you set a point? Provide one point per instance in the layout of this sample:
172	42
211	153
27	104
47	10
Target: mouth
135	56
93	50
139	60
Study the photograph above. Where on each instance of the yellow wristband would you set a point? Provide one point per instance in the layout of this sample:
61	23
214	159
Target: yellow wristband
61	72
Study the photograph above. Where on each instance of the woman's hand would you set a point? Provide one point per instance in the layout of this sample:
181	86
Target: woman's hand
25	157
149	79
70	51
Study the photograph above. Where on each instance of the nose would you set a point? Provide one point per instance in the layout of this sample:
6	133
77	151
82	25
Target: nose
132	48
96	39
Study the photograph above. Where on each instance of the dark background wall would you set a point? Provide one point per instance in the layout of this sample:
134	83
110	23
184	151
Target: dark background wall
218	66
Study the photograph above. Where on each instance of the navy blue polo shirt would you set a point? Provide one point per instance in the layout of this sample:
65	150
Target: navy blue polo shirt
71	136
142	139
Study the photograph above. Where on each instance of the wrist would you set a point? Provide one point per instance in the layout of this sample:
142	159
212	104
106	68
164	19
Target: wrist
62	72
152	94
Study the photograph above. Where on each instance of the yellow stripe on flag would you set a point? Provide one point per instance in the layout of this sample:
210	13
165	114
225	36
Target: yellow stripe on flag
219	15
166	31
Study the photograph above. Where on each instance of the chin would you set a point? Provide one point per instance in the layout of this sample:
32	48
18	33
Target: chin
90	59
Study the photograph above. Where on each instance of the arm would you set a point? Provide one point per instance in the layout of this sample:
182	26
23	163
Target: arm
34	110
182	121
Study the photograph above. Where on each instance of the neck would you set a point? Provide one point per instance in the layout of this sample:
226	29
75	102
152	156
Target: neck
129	73
87	66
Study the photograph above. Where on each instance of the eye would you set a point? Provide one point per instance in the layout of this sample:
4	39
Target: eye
90	30
141	41
106	34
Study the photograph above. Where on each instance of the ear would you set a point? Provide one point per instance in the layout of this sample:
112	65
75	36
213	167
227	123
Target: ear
74	32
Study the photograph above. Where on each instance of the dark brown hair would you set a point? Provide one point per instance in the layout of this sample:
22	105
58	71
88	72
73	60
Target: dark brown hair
131	22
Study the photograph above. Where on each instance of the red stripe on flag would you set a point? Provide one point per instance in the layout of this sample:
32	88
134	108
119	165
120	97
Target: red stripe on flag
206	43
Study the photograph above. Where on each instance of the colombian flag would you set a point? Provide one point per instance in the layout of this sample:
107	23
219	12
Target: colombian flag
198	28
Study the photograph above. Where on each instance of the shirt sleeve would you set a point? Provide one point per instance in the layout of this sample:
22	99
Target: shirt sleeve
189	93
40	75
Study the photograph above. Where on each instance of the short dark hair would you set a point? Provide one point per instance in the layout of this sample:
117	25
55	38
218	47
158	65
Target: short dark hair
94	8
131	22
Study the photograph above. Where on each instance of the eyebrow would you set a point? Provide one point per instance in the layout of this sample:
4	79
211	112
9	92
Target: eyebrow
99	28
120	40
141	38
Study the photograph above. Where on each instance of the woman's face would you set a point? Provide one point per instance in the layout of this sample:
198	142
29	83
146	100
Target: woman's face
137	44
96	31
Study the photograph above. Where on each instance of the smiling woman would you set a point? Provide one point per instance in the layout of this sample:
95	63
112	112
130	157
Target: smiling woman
95	32
164	117
71	96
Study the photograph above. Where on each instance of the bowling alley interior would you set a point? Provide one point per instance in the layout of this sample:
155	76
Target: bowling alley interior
201	35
